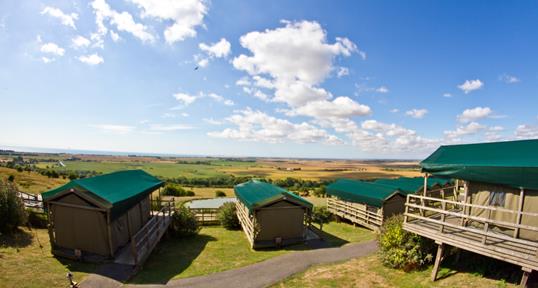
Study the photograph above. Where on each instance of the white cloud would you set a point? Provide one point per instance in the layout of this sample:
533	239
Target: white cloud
447	95
92	59
341	107
469	115
185	99
417	113
118	129
509	79
52	48
66	19
342	71
526	131
185	16
395	110
47	60
80	42
123	21
114	36
212	121
469	129
258	126
382	89
471	85
220	99
167	128
218	50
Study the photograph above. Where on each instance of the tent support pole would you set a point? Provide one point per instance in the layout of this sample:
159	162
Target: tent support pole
519	210
438	259
109	230
465	196
424	190
525	277
50	226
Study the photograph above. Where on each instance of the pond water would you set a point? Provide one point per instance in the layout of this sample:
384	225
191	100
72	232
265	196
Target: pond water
210	203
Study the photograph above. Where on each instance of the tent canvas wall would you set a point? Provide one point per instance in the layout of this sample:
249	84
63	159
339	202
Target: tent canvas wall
98	215
271	215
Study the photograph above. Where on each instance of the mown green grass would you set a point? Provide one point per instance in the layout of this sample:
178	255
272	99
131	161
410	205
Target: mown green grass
216	249
369	272
23	263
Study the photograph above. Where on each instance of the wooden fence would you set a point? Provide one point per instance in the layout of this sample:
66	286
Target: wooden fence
356	213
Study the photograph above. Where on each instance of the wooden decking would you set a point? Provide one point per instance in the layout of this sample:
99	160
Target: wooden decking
448	222
356	213
142	243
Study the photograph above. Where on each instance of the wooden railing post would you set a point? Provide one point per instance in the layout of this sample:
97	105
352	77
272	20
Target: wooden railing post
443	207
519	210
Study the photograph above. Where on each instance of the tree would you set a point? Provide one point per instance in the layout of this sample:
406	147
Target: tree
11	178
321	215
228	216
220	193
12	213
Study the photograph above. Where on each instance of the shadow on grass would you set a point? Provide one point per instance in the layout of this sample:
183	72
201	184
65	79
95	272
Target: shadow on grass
17	239
326	240
171	257
475	264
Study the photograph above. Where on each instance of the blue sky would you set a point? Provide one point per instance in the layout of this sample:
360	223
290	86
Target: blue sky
353	79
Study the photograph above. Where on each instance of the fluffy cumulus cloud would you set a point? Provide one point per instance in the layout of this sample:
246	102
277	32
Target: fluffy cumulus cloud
92	59
469	115
251	125
221	49
382	89
80	42
471	85
465	130
169	128
123	21
341	107
185	99
220	99
185	16
417	113
52	49
65	19
526	131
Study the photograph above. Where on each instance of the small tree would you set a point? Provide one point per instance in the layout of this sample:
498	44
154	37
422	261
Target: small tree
12	213
228	216
220	193
321	215
320	192
184	223
401	249
11	178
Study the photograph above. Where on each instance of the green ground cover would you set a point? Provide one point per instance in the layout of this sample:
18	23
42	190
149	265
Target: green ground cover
216	249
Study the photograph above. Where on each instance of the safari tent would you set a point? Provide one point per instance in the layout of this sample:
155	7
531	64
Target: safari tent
370	203
270	215
93	217
493	209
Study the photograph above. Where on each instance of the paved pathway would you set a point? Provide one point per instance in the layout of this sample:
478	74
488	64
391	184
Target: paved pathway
274	270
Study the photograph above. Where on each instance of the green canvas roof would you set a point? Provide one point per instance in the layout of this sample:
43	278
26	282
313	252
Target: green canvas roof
410	185
120	190
255	193
373	194
512	163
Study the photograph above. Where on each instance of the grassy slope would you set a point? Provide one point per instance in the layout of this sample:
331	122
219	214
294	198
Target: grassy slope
27	265
369	272
216	249
31	182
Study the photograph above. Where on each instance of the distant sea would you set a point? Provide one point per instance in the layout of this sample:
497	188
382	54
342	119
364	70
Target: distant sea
91	152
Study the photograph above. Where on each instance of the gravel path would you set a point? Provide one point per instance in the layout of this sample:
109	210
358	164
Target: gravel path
274	270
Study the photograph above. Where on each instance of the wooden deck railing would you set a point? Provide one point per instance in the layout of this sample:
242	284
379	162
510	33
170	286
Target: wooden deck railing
149	235
31	201
247	221
206	216
355	212
454	215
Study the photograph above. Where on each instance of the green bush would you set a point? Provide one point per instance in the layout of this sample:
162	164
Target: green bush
184	223
320	192
220	193
12	213
228	216
321	215
37	220
189	193
401	249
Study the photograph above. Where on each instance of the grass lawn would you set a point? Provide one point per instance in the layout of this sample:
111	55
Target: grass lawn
369	272
24	264
31	182
216	249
